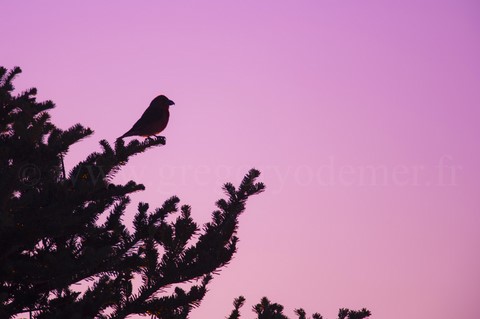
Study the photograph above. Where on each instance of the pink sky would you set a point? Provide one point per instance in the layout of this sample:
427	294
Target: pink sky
362	115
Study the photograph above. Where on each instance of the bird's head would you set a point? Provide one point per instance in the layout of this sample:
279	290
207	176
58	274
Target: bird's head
163	100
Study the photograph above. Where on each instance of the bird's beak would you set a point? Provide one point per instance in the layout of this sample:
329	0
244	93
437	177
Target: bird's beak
171	102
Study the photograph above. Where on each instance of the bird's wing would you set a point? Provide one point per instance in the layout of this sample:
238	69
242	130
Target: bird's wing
151	115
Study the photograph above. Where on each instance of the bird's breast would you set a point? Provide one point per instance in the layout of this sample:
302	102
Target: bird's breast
158	124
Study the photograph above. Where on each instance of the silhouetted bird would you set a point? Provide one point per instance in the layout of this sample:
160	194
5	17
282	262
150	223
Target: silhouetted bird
154	120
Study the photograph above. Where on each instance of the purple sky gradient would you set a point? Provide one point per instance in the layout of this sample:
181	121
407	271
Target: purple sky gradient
362	115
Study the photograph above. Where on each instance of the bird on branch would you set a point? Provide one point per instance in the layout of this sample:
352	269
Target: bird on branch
154	120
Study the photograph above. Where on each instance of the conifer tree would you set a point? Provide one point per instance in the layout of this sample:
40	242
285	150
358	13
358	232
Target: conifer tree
268	310
57	260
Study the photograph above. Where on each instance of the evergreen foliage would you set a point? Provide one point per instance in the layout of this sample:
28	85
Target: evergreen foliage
268	310
51	239
64	249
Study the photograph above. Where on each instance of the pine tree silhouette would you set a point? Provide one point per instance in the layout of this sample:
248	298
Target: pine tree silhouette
58	261
268	310
51	239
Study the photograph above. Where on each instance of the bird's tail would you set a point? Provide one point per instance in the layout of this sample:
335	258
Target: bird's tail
129	133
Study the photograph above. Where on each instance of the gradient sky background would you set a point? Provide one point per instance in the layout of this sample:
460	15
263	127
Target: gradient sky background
363	117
